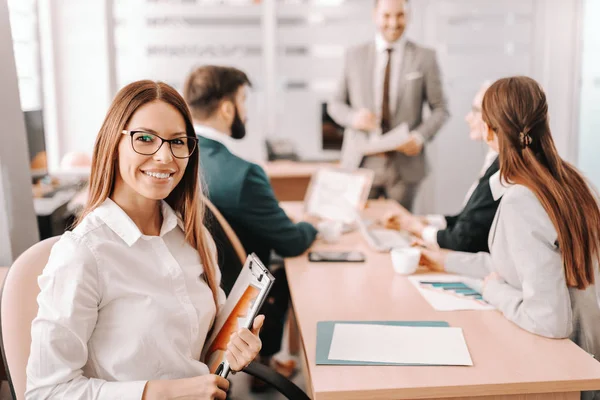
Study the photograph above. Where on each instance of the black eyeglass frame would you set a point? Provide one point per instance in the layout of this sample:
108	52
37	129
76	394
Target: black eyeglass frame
192	139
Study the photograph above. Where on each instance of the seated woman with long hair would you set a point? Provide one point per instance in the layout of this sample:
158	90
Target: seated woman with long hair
128	297
542	269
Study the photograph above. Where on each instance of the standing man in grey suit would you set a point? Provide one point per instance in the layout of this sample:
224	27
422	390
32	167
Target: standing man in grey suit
385	83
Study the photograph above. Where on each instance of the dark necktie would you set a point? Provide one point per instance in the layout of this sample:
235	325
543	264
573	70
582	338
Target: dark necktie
386	117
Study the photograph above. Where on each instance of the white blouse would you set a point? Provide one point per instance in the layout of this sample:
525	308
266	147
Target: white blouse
118	308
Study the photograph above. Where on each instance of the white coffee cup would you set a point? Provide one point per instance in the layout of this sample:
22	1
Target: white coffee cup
405	259
330	231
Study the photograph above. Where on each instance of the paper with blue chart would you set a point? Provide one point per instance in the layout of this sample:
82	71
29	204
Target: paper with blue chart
450	292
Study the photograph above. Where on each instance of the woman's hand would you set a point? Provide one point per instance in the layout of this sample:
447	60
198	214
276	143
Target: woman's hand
244	345
205	387
407	222
432	258
491	277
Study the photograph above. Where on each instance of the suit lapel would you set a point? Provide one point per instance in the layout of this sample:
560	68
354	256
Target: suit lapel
408	59
369	65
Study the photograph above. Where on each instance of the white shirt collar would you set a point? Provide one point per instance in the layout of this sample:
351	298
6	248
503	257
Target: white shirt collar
213	134
120	223
381	44
489	159
498	186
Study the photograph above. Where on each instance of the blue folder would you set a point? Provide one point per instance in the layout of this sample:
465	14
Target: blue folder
325	334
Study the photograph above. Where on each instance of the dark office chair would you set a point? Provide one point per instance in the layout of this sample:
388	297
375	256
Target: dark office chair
231	258
231	255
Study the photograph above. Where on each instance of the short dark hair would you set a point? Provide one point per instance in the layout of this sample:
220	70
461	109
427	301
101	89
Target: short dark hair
208	85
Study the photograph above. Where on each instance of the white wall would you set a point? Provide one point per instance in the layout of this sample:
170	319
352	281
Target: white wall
475	40
589	122
76	78
18	226
486	39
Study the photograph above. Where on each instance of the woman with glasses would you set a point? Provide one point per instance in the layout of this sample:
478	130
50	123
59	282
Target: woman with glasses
128	297
467	230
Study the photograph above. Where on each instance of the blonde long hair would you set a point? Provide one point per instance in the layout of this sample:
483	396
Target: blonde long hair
185	199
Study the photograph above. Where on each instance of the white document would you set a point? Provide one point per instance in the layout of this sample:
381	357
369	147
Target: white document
358	144
444	301
399	344
336	195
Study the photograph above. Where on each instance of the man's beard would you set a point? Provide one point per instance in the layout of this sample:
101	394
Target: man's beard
238	128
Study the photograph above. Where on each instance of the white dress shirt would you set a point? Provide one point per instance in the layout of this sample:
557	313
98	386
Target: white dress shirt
118	308
437	222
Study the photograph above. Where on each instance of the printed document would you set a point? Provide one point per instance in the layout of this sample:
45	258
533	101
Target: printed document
357	145
436	289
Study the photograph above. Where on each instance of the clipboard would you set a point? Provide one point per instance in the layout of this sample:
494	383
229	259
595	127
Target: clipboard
242	306
325	335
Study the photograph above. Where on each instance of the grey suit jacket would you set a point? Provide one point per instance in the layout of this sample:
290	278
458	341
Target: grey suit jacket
533	291
420	82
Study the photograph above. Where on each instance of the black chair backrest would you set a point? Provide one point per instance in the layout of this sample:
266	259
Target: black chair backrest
229	261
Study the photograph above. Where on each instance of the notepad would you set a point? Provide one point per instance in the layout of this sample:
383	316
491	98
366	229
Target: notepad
399	345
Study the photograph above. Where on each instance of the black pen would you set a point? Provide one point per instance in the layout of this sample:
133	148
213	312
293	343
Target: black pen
219	369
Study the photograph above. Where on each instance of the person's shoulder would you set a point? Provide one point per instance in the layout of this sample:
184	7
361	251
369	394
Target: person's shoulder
521	201
423	51
226	179
73	250
520	194
256	173
522	208
223	160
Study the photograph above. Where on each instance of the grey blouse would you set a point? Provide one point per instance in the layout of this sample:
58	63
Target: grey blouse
533	292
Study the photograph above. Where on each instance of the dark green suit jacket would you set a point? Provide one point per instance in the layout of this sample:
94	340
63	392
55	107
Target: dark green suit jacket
243	194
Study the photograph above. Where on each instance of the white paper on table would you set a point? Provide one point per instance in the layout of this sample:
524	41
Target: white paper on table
358	144
441	301
399	344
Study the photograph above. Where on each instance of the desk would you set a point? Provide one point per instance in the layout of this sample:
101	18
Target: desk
290	179
509	363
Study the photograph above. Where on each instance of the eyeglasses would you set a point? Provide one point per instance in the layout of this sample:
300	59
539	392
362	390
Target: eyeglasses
147	144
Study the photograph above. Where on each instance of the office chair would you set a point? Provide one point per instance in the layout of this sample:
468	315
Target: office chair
18	308
231	255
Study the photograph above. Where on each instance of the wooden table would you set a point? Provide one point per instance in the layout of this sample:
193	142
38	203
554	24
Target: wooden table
290	179
509	363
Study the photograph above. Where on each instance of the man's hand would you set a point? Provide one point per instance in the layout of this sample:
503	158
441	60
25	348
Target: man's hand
413	146
364	120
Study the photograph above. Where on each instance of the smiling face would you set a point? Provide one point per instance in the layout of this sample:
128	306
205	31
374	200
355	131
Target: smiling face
390	18
150	177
